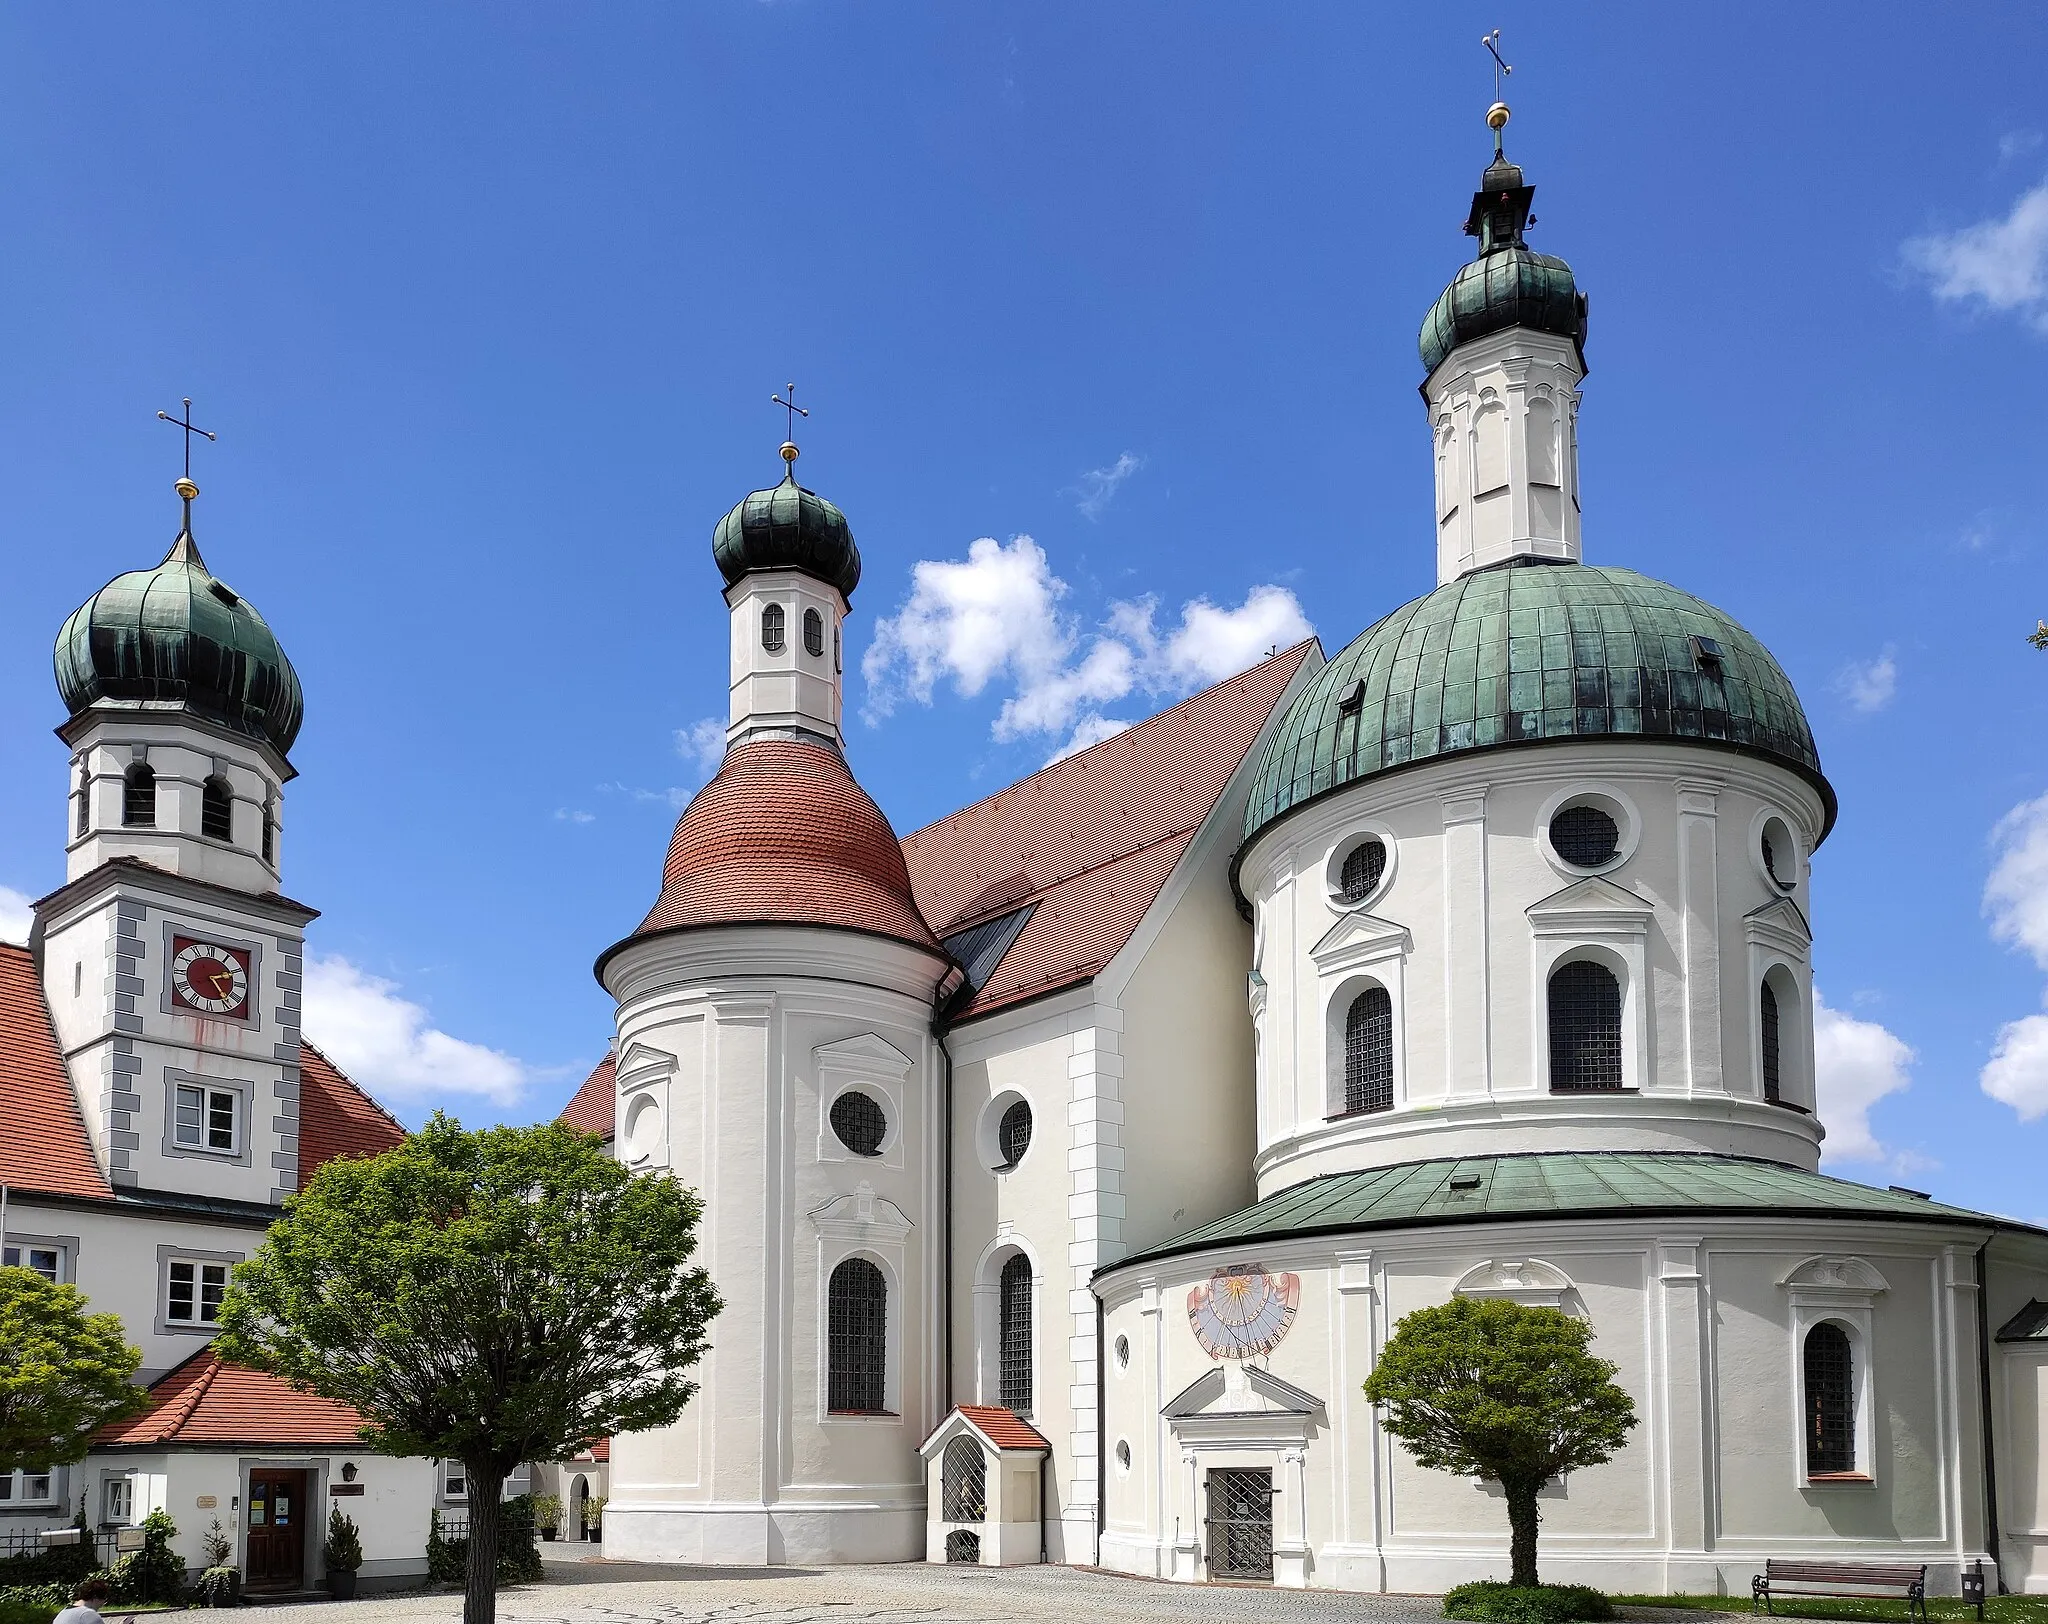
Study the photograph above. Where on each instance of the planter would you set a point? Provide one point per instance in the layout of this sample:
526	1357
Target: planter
548	1534
341	1583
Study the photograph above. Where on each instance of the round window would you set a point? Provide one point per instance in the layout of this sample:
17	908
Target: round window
1781	856
1013	1135
1123	1352
1362	871
858	1121
1123	1454
1585	836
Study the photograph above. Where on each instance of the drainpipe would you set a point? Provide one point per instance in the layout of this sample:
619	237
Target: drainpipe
947	997
1984	1411
1101	1433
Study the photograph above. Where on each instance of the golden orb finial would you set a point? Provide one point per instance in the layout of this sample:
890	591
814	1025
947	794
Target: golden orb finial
185	488
1497	116
789	452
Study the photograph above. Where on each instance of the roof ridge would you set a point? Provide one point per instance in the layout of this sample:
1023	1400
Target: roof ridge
171	1418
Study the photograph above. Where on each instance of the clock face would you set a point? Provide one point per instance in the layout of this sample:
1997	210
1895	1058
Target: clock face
209	977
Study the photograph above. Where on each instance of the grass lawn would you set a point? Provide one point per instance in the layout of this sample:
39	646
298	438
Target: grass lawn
1999	1609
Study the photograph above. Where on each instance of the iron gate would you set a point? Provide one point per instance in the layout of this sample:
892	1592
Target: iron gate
1240	1522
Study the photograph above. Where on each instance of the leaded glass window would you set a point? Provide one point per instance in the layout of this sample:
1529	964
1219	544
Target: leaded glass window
1585	1029
771	628
857	1338
965	1484
1014	1306
1369	1052
1769	1002
217	810
1362	870
138	797
859	1122
1584	836
1830	1401
814	632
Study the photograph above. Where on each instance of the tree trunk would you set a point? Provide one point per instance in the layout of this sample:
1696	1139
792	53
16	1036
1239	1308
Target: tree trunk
1522	1520
480	1588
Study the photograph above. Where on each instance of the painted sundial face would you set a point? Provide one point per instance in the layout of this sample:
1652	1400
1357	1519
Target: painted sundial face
1243	1311
208	977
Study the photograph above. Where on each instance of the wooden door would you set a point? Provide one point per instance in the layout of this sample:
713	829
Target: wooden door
276	1524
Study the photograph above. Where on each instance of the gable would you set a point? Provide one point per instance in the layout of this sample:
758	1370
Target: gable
593	1108
336	1118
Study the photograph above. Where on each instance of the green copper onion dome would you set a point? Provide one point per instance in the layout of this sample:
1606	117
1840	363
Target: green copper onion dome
176	634
787	527
1533	652
1507	285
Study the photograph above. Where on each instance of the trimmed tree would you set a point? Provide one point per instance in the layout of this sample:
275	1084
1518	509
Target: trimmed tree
494	1297
1491	1389
64	1372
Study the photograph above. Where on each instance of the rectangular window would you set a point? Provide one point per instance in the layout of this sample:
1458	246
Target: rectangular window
457	1480
207	1119
117	1500
25	1488
194	1290
47	1261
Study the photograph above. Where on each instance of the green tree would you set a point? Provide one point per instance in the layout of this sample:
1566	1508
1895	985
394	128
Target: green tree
494	1297
63	1372
1491	1389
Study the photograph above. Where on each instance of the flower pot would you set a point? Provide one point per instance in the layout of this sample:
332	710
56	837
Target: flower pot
341	1583
547	1534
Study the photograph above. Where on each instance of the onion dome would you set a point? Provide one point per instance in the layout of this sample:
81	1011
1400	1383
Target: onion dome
787	527
178	635
1508	285
782	835
1533	652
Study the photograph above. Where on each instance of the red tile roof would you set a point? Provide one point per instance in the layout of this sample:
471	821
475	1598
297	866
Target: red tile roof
594	1107
336	1118
43	1144
783	835
206	1401
1091	839
1003	1428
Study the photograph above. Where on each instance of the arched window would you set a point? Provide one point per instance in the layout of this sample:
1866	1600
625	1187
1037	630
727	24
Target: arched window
1830	1401
964	1485
857	1339
138	797
1013	1135
1362	870
217	810
1014	1308
1769	1021
1585	1029
771	628
814	632
269	833
1369	1052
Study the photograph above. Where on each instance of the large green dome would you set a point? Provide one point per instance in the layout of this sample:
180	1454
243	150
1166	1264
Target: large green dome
1533	652
177	634
787	527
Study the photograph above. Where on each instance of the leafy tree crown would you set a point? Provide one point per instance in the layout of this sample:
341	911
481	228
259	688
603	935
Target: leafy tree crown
64	1372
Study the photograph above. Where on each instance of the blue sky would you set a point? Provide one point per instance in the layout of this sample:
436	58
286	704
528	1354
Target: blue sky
486	304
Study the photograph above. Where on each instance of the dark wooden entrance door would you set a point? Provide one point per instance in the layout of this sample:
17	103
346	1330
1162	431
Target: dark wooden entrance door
1240	1523
276	1523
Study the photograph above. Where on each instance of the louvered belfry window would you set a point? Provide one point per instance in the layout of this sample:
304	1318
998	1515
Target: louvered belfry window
1585	1029
1362	870
216	810
1769	1021
1014	1300
965	1483
1830	1401
138	797
857	1338
1369	1052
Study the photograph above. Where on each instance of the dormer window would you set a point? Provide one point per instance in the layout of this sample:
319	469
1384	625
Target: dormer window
771	628
217	810
138	797
814	632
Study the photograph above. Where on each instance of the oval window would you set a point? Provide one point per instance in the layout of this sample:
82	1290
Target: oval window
859	1122
1585	836
771	628
814	632
1013	1136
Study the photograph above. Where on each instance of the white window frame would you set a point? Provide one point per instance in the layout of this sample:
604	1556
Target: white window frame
209	1097
117	1501
30	1251
454	1482
988	1317
19	1490
170	1259
1843	1291
1359	951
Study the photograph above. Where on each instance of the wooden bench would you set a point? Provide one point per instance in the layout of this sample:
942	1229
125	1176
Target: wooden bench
1856	1580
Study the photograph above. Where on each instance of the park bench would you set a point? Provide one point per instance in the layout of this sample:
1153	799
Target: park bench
1857	1580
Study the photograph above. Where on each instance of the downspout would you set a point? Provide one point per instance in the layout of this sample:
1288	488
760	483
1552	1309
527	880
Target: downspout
1984	1411
1101	1431
944	1002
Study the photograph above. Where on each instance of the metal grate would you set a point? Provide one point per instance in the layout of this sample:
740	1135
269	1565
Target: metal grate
216	811
963	1546
1770	1043
771	628
1369	1052
1585	1029
1014	1304
1584	836
814	632
859	1122
1240	1522
1830	1401
1013	1134
857	1338
1362	871
138	798
965	1485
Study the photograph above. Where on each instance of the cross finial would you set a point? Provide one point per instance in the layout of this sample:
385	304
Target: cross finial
1497	114
791	412
191	428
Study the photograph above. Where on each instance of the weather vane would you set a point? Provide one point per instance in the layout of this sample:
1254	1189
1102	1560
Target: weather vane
792	411
191	428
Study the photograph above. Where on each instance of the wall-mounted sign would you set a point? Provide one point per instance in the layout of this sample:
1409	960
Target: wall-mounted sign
345	1488
206	1502
1243	1311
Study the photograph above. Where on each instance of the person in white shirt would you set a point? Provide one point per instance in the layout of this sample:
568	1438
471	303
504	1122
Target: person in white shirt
85	1603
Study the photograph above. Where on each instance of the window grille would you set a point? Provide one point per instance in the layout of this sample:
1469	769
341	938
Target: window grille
963	1546
1014	1303
1362	871
194	1292
217	810
814	632
1584	836
138	797
1240	1522
1830	1401
1369	1052
1013	1135
1770	1043
1771	860
965	1483
771	628
856	1338
859	1122
1585	1029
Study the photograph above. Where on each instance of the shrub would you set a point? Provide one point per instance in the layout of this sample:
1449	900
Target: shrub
25	1612
547	1511
518	1557
215	1549
1491	1602
219	1586
344	1543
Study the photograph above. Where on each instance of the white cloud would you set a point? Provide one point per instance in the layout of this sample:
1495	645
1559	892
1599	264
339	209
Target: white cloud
1098	487
702	742
1995	265
1856	1063
995	617
16	915
385	1042
1869	685
574	814
2017	1073
2016	893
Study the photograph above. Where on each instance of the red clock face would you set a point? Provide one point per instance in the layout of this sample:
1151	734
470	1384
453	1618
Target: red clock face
208	977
